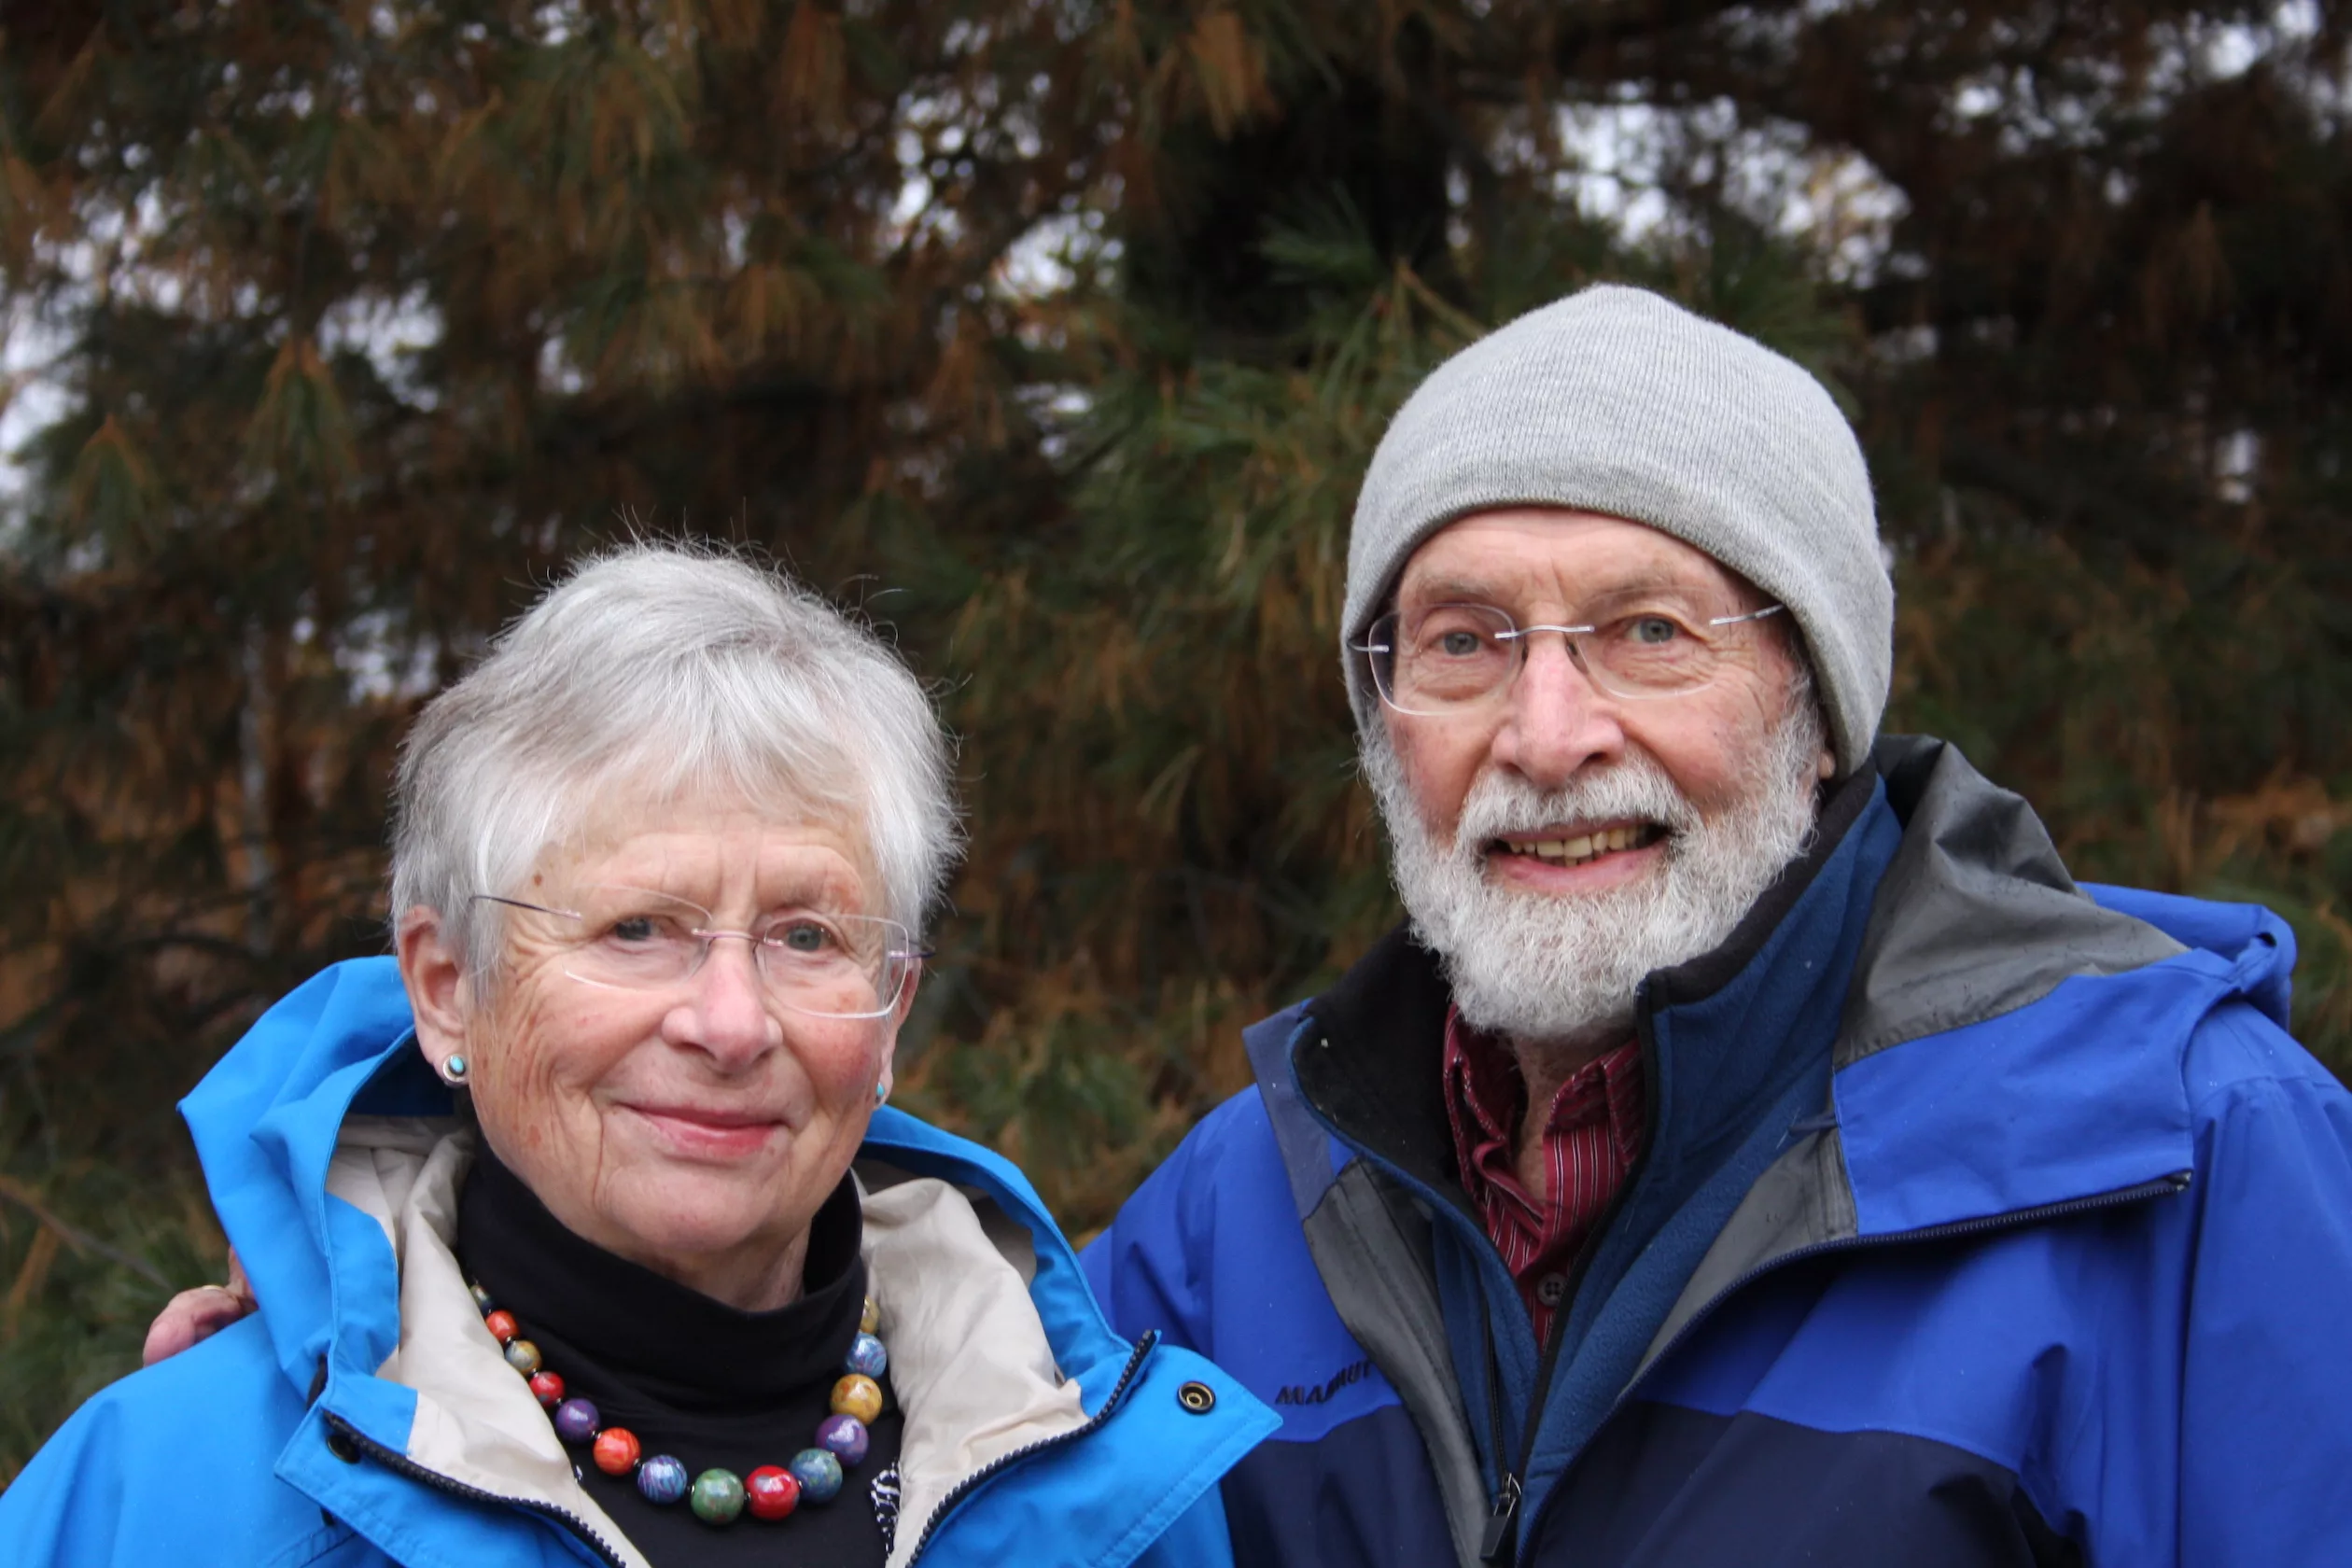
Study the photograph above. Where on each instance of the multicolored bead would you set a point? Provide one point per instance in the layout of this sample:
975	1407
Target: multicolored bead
617	1449
523	1356
547	1388
662	1479
770	1491
717	1497
576	1422
857	1396
482	1301
818	1472
501	1325
867	1356
869	1321
844	1435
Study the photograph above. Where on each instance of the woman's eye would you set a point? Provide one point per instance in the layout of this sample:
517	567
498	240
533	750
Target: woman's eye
637	928
802	939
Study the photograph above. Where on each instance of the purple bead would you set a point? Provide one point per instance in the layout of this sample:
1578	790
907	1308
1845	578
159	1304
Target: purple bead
575	1421
844	1435
662	1479
867	1356
818	1472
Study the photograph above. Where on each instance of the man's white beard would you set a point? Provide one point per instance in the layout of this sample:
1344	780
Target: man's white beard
1561	970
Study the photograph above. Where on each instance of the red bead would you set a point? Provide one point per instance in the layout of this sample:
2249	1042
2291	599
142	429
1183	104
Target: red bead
549	1389
501	1325
771	1492
616	1451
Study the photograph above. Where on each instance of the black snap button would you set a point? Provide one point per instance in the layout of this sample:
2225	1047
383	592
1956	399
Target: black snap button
1199	1398
1550	1288
339	1443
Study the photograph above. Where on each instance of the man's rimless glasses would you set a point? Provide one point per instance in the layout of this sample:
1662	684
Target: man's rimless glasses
1450	658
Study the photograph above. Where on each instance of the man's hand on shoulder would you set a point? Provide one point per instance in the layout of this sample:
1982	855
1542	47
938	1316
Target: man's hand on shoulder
196	1315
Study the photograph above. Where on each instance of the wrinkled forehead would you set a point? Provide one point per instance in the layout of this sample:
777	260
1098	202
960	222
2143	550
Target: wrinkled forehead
1551	556
711	844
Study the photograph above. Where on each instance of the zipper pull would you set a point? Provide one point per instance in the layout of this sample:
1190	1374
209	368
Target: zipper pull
1500	1544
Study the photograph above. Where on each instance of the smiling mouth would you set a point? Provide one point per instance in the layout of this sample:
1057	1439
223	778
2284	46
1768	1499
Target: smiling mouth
725	1121
1575	849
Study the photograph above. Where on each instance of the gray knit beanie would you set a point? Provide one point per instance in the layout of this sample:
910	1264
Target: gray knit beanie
1616	400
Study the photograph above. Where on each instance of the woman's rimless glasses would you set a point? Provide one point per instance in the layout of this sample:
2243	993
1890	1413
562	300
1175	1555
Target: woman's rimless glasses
824	964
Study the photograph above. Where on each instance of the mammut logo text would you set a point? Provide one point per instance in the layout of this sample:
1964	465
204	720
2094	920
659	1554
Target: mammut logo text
1301	1393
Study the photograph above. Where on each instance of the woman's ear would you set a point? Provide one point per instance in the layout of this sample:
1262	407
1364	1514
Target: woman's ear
434	973
886	1078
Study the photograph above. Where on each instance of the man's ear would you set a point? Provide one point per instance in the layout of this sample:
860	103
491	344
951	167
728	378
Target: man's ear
434	973
1827	767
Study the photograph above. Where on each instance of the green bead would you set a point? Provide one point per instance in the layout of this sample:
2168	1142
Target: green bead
718	1496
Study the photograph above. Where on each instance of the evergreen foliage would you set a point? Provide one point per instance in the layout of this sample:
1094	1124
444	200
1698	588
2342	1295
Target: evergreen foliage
1055	334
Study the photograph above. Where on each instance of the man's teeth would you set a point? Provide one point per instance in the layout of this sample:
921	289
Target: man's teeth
1577	851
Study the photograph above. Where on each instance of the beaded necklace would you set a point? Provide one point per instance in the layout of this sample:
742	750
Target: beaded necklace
772	1491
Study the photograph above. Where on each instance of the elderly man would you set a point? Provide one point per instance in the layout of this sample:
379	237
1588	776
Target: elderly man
1755	1148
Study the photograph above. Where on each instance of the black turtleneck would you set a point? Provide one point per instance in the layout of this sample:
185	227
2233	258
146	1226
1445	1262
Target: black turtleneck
690	1375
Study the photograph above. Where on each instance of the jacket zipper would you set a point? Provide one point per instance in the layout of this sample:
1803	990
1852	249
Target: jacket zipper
964	1487
2161	1186
400	1464
1498	1546
1498	1542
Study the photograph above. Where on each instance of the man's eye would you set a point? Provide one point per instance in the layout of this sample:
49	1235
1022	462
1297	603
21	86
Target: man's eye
1459	645
1654	629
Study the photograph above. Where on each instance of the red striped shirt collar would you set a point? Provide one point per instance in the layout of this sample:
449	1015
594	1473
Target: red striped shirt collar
1593	1138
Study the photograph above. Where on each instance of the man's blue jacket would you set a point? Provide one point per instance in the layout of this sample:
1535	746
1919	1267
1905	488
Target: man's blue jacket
286	1441
1983	1220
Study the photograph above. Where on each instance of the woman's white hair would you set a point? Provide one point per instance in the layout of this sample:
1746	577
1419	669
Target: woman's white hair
655	671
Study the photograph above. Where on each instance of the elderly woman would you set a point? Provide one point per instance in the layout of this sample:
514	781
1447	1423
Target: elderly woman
552	1222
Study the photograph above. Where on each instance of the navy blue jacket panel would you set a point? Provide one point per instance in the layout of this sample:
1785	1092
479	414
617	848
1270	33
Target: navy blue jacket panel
1985	1220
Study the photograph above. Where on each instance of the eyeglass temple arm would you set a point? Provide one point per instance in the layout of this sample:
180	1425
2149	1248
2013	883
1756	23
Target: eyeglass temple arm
534	908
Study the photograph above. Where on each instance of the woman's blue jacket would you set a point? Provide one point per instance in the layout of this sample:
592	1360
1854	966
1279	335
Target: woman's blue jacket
276	1443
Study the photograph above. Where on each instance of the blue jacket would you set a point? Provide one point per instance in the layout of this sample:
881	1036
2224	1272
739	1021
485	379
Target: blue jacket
1983	1220
277	1442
